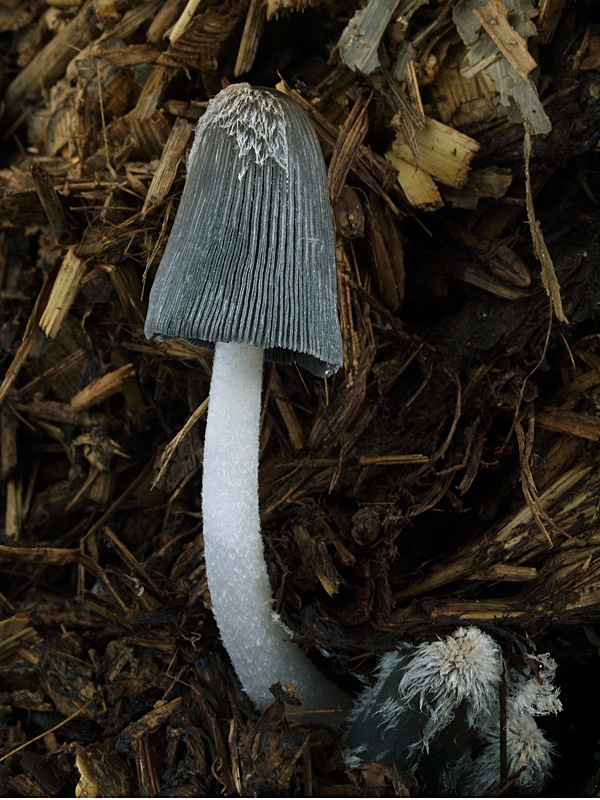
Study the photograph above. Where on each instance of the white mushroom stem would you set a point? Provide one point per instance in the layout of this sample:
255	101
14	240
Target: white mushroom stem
257	642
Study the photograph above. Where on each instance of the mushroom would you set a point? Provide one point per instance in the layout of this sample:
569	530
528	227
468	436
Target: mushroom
249	268
436	710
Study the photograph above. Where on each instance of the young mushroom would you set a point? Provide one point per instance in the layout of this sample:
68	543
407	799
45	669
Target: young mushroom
249	268
435	710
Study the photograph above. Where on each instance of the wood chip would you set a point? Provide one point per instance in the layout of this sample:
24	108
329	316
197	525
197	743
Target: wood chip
549	278
386	256
570	422
443	152
315	553
587	56
288	414
196	43
133	734
548	19
348	143
99	390
163	20
51	204
167	167
50	63
30	335
494	18
359	42
69	278
253	27
417	184
275	7
10	474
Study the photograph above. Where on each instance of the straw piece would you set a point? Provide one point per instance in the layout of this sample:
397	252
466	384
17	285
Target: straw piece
66	286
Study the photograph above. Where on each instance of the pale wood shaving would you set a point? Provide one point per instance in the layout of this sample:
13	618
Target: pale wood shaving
494	18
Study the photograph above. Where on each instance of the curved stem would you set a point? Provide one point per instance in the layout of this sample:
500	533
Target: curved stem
257	642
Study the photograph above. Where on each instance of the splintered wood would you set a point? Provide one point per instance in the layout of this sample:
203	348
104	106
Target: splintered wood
63	293
253	29
448	473
494	18
103	388
10	474
167	167
437	152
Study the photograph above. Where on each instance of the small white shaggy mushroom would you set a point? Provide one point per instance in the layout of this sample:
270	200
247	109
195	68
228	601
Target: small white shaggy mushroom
249	268
435	709
418	693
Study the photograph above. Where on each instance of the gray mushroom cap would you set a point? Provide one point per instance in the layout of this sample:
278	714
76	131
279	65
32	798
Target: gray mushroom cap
251	256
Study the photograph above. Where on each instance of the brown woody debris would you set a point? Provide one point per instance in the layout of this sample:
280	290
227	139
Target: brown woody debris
494	18
449	473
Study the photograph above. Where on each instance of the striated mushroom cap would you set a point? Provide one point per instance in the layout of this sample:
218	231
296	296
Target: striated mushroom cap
251	255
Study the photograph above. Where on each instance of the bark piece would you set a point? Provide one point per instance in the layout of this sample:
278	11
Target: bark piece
494	18
482	52
359	41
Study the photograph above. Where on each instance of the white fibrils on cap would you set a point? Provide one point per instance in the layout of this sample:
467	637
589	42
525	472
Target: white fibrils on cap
462	668
534	692
528	757
250	258
256	121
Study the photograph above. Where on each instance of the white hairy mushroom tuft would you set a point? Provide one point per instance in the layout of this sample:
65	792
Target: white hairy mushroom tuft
435	709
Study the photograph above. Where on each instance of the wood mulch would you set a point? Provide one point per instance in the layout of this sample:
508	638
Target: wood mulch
448	475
